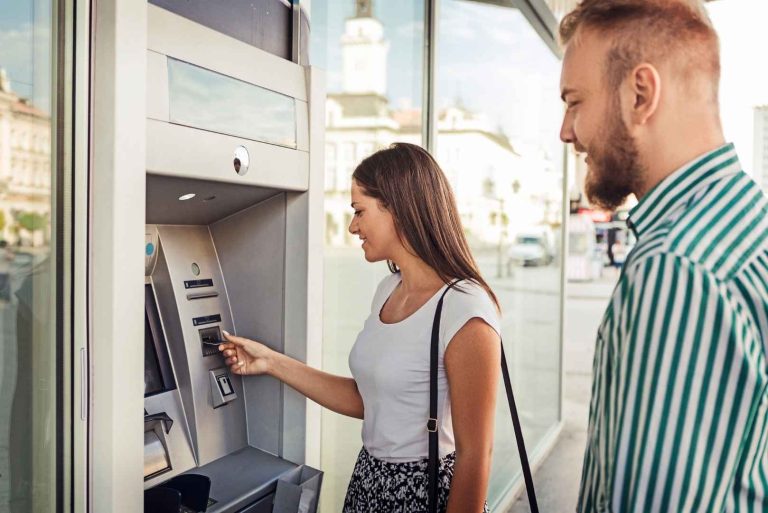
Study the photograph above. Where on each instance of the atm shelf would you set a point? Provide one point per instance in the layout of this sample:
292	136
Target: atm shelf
243	477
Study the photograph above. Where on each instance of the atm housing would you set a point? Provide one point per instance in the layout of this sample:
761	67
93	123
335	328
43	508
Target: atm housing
232	258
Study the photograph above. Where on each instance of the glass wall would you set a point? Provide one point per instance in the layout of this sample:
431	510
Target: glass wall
498	115
372	52
498	122
28	371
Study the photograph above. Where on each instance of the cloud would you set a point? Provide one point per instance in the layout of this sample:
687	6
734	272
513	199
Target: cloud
16	53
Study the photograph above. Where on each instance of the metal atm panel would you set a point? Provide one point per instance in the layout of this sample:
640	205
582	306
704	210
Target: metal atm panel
264	265
227	205
220	430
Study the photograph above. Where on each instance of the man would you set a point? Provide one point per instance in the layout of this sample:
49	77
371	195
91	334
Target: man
679	411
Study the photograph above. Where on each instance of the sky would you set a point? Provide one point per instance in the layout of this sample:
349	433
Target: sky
489	59
25	48
493	62
741	25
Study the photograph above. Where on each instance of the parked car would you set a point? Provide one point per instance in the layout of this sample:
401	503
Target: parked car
530	249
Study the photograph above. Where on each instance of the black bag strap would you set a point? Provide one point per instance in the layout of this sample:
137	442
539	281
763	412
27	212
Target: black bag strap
432	423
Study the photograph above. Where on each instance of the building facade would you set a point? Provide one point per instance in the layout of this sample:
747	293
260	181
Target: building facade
760	164
25	169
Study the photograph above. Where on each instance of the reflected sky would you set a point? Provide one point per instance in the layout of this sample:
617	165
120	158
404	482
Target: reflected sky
403	22
476	41
203	99
25	49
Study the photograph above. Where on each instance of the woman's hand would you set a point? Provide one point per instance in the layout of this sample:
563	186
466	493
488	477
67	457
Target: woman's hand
245	356
338	393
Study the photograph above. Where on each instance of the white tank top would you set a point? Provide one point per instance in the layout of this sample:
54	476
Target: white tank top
390	364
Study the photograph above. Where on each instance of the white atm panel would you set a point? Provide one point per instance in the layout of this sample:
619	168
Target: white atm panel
175	150
186	40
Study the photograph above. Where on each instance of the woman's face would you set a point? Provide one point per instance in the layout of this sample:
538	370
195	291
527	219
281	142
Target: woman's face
374	225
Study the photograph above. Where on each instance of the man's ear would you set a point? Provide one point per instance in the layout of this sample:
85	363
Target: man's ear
645	92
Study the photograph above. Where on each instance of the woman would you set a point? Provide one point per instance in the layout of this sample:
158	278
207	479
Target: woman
405	214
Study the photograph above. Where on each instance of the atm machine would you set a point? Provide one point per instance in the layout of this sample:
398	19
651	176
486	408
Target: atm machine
228	210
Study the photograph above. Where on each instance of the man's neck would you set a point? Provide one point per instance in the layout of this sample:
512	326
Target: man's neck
665	159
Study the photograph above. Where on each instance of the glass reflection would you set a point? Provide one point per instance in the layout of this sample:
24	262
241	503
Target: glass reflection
372	52
204	99
498	125
27	312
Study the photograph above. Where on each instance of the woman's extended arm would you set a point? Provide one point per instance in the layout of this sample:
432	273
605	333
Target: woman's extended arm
472	363
336	393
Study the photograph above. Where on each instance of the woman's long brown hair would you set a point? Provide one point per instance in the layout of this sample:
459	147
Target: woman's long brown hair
409	183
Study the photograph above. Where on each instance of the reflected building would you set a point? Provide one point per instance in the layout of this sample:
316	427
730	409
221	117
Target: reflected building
761	146
25	169
519	185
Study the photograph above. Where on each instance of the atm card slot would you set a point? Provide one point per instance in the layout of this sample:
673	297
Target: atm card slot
210	339
202	295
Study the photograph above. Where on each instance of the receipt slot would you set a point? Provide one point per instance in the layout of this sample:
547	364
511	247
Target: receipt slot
226	251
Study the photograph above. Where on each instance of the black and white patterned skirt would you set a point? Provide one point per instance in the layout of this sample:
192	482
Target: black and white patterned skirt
382	487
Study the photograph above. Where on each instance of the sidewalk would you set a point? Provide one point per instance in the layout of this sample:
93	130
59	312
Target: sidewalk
557	480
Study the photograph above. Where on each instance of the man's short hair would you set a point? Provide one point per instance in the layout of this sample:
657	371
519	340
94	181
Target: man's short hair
678	32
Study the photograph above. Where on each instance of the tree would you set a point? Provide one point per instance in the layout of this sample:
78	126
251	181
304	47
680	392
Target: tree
31	221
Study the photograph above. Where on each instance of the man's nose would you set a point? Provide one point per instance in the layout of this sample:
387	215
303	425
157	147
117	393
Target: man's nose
566	130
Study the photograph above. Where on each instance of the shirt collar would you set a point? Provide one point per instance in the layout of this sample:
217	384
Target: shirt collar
680	186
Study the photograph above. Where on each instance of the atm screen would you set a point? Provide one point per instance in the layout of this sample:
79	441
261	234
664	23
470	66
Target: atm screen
158	376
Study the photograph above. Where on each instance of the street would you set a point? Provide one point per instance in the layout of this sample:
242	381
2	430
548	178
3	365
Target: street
557	479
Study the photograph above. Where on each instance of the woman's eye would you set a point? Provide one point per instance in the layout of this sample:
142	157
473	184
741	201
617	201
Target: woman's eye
358	212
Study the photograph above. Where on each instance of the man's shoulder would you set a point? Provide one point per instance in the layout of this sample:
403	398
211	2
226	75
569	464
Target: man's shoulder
720	229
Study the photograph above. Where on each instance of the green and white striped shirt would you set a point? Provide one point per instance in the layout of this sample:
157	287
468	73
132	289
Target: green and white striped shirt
679	412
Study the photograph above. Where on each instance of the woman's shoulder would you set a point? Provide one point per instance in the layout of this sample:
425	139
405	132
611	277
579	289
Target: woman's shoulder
470	291
468	300
469	295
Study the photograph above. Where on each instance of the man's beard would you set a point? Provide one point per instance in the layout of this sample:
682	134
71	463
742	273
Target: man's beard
615	170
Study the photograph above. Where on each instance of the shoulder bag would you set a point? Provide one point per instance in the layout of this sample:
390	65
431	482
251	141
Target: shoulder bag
432	423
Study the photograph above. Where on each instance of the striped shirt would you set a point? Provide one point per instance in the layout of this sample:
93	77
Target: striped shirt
679	411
